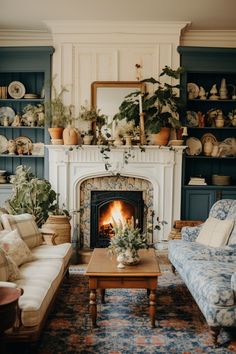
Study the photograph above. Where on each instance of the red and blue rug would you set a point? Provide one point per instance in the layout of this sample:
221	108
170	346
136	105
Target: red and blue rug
124	326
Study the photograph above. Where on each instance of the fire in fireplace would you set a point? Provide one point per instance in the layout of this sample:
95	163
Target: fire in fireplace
110	209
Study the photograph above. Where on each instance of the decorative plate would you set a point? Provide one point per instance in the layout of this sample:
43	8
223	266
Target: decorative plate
208	137
3	144
193	90
16	89
7	112
192	119
25	143
194	146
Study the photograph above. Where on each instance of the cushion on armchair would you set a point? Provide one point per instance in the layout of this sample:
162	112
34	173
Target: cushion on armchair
26	227
215	232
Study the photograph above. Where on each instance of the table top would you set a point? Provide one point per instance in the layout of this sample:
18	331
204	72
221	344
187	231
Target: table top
102	263
9	295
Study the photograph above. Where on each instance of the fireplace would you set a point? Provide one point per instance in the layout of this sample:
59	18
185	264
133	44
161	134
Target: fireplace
154	171
111	209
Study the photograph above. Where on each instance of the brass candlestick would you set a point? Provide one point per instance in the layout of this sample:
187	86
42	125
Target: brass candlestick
142	130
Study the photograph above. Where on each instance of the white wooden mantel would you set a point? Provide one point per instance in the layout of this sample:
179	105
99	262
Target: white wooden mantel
161	166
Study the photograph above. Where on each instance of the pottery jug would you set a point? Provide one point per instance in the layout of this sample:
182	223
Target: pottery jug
208	146
70	136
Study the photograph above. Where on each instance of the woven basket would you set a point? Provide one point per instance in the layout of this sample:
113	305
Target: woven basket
175	233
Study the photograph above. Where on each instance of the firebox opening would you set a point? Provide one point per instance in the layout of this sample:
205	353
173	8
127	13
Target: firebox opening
111	209
115	214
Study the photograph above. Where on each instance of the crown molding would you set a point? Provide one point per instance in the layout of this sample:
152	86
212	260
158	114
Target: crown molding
10	37
118	27
214	38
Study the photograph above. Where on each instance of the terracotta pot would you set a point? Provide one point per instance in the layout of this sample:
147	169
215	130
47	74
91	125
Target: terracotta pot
61	225
55	133
161	138
70	136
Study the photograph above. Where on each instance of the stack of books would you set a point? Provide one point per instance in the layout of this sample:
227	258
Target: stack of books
197	181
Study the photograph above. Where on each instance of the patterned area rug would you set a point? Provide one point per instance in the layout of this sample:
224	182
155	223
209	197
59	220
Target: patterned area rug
123	321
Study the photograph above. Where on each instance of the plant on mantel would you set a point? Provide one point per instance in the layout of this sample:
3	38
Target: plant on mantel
161	108
94	117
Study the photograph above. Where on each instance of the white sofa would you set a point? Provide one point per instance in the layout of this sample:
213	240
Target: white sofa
30	260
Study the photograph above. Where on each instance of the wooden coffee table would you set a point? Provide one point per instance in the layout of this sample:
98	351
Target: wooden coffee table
103	274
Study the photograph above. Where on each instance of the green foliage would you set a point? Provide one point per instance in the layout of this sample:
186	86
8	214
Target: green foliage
161	108
32	195
92	114
127	237
57	113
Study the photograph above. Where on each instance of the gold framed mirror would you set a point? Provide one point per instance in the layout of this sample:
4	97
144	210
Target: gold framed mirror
108	95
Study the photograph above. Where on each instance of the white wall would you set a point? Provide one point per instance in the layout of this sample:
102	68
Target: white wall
108	51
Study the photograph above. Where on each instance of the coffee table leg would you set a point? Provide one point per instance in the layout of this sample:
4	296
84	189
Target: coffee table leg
152	307
103	296
93	306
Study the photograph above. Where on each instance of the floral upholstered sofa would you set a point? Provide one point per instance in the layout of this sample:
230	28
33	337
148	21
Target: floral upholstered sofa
205	258
29	260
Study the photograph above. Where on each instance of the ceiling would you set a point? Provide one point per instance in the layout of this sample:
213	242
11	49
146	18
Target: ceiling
203	14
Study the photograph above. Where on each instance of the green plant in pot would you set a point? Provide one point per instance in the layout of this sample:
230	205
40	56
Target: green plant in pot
57	113
161	108
32	195
94	118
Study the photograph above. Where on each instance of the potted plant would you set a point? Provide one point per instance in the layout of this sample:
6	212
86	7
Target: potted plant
126	243
57	113
161	108
87	137
31	195
128	240
93	117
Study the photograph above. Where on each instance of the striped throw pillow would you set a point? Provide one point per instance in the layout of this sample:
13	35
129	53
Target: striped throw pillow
26	227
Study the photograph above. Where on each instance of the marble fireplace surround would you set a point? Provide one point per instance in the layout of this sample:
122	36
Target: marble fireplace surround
161	167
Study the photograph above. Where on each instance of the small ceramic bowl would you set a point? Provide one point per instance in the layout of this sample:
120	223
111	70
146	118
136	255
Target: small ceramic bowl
2	172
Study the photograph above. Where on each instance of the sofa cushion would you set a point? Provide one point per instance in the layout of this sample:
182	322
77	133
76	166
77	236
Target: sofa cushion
215	232
62	252
26	227
8	268
211	281
4	272
15	247
39	280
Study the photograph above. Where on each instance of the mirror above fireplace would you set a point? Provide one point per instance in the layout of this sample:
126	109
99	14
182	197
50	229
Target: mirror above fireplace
108	95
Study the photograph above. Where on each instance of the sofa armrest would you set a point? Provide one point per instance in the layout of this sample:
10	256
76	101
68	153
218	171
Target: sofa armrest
190	233
179	225
233	282
49	236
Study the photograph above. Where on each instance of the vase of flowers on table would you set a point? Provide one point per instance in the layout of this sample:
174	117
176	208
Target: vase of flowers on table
126	243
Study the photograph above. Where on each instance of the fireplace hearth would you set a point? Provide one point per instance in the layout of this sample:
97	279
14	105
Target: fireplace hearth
111	209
